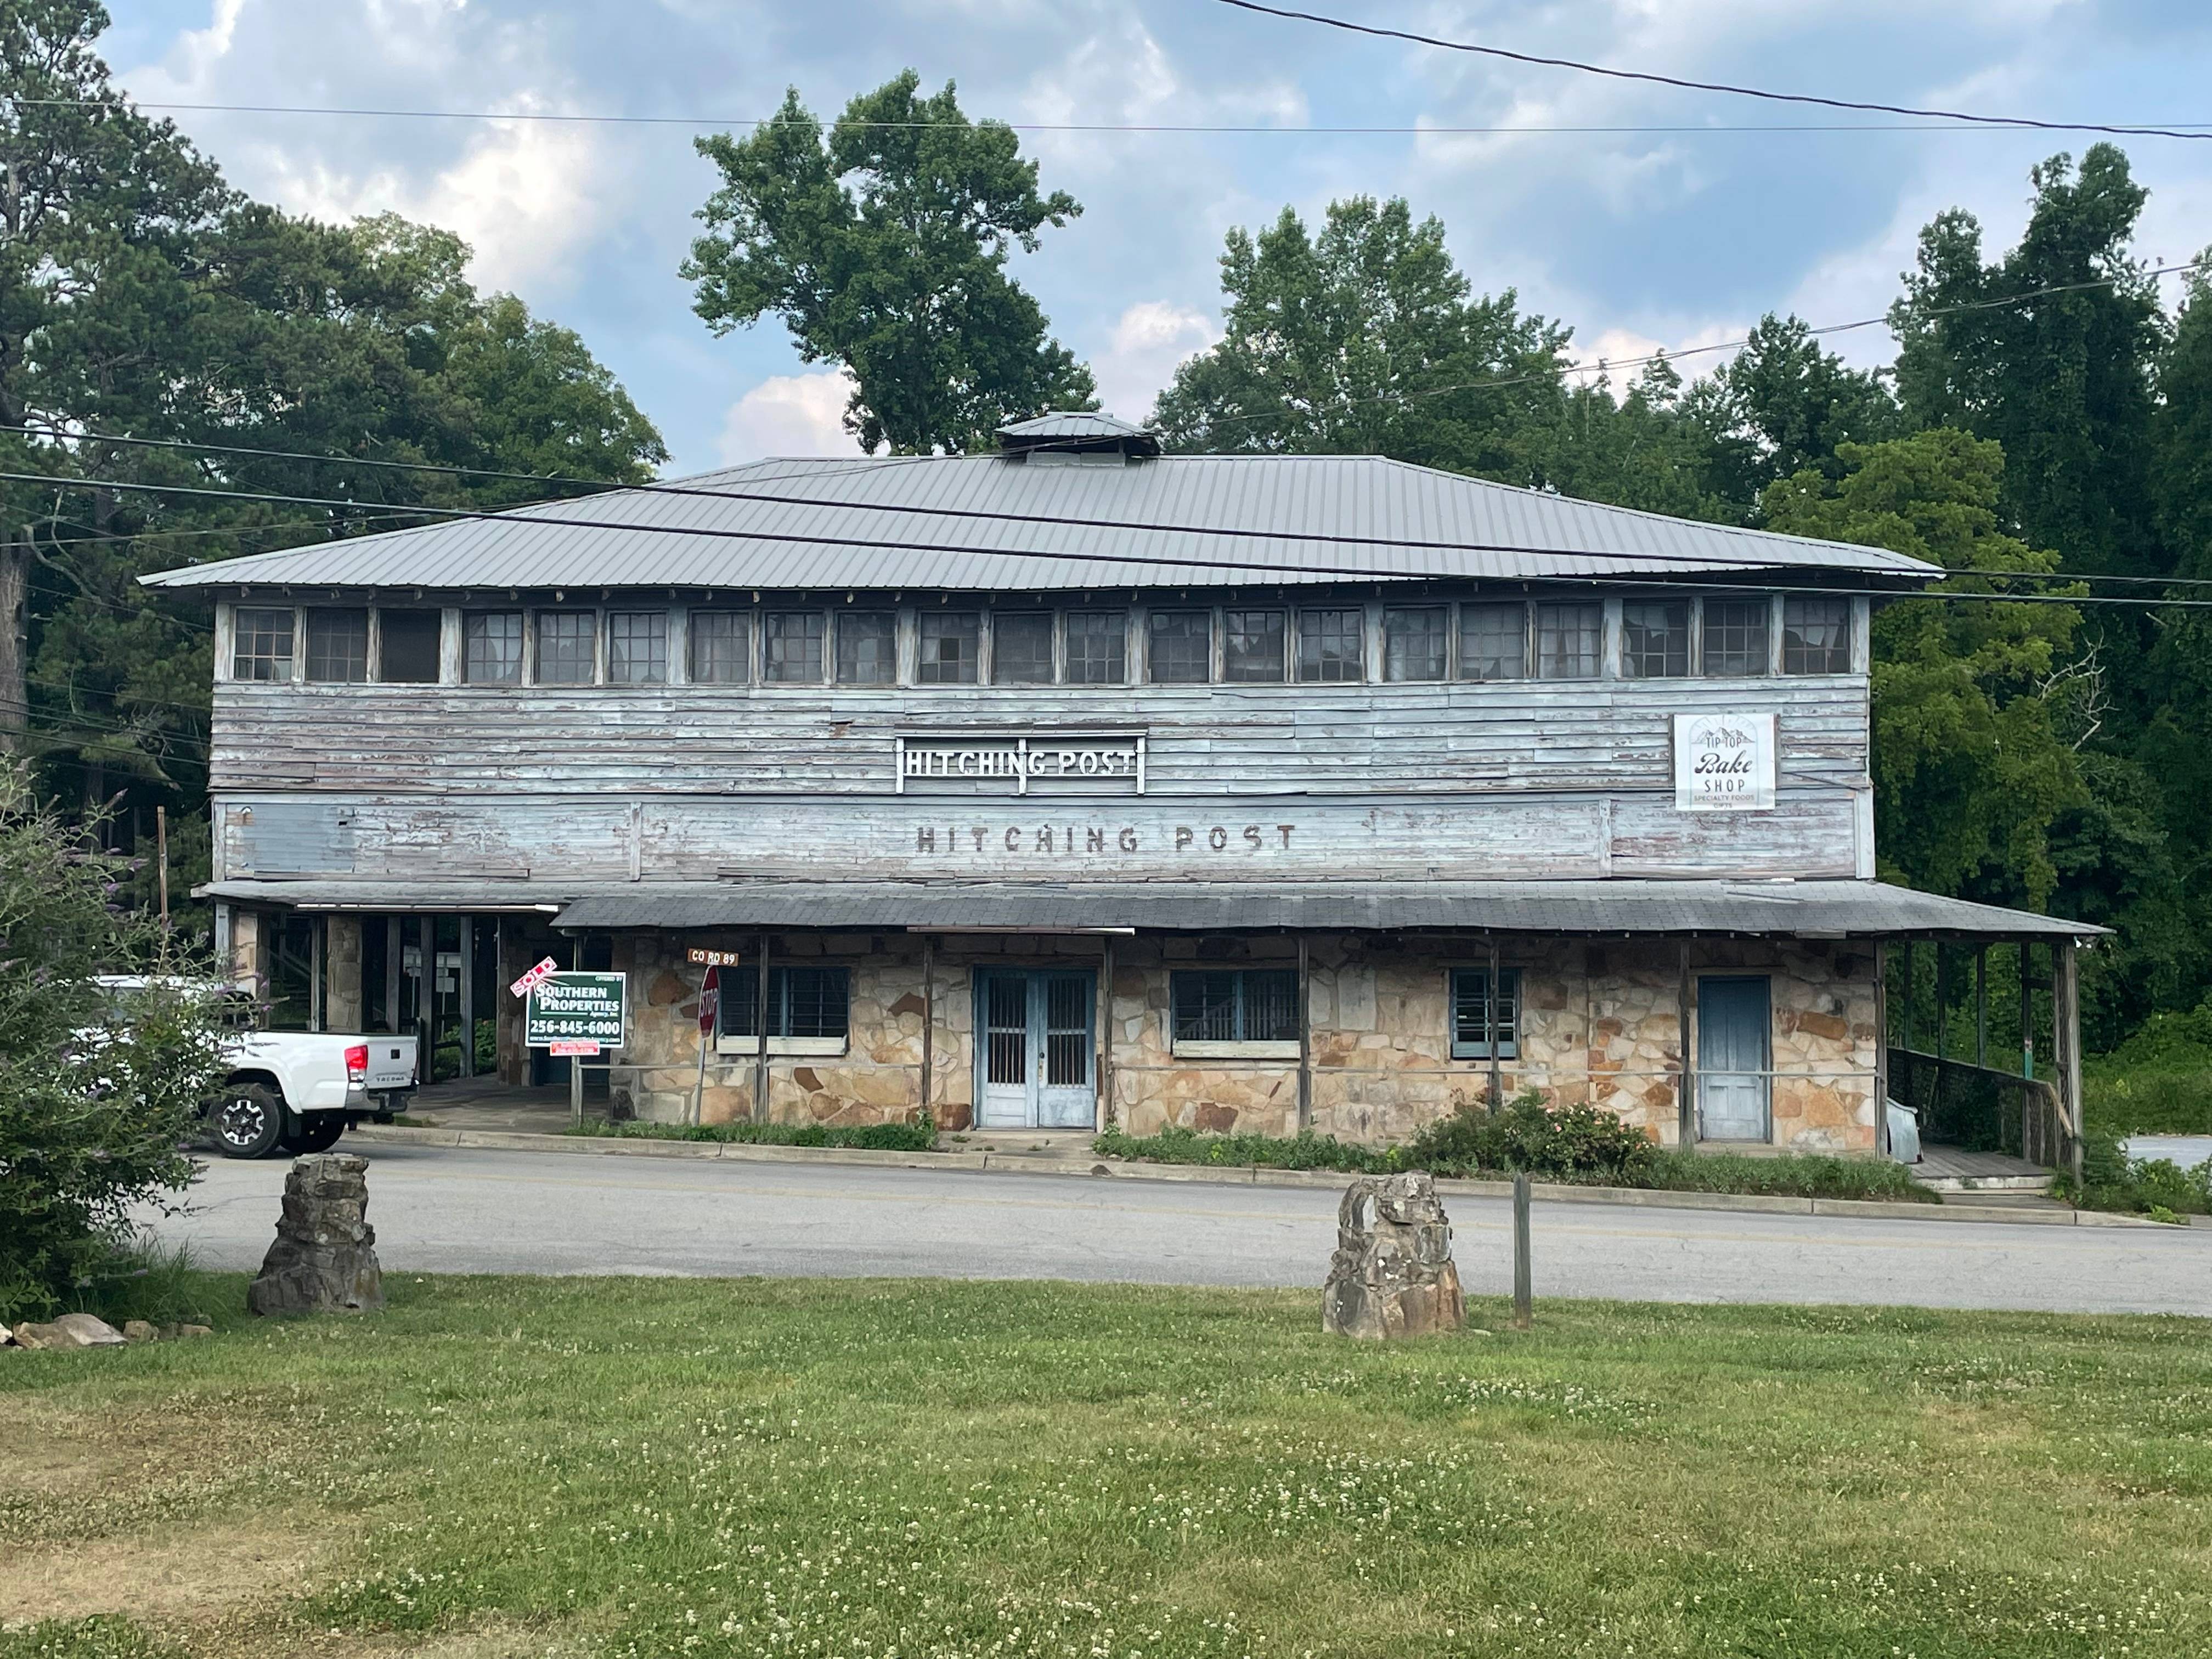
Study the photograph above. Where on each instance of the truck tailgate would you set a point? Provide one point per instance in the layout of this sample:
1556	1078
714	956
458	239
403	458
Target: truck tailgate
391	1061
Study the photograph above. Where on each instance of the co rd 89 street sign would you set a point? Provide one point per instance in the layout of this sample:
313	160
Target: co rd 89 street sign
577	1009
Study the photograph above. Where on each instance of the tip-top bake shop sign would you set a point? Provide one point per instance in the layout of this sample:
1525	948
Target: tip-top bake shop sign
1724	762
1082	762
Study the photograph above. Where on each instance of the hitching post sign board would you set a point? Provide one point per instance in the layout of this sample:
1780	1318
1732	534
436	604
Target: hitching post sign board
568	1011
1724	762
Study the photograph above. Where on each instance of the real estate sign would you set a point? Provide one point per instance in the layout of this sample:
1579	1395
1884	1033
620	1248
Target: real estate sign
576	1008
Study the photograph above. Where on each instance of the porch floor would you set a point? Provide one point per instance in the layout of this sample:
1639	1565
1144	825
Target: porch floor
1954	1169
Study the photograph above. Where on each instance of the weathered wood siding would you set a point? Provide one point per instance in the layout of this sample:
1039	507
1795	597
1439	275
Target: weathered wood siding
602	839
1328	740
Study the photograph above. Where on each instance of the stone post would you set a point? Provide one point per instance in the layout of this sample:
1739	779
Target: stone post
324	1256
1392	1275
342	996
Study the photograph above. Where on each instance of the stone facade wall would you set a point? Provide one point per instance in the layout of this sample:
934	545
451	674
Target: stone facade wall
1599	1023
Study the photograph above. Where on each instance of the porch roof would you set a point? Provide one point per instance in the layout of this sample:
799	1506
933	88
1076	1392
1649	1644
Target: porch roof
1802	909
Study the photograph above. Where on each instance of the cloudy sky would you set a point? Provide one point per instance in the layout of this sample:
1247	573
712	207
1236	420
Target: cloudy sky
1655	237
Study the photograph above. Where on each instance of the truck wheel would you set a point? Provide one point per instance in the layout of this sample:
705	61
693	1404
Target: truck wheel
248	1120
318	1133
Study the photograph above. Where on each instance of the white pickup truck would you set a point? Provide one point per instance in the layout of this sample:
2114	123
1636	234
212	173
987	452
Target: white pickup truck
299	1090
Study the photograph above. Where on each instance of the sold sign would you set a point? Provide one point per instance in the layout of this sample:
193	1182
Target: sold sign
522	986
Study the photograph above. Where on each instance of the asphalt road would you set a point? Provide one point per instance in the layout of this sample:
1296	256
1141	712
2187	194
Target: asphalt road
455	1210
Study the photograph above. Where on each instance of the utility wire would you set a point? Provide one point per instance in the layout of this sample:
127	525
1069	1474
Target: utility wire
1605	366
1949	123
1650	78
1349	572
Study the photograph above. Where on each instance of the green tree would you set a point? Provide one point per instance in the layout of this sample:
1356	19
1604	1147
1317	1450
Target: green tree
92	1106
2181	431
2062	382
1366	339
1970	770
1781	405
883	244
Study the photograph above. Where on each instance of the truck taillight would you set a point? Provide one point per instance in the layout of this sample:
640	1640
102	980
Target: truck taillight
356	1061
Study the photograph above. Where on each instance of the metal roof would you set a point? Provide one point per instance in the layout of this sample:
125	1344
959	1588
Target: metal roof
1815	909
896	523
1080	424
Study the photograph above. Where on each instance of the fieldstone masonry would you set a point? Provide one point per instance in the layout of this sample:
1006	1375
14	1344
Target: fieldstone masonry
324	1256
1392	1275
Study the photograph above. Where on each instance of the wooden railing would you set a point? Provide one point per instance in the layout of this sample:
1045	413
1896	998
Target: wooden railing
1978	1108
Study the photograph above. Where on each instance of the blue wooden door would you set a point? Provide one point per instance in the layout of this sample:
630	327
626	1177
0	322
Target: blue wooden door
1735	1018
1033	1066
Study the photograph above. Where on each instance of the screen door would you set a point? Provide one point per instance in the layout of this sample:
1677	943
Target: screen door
1733	1019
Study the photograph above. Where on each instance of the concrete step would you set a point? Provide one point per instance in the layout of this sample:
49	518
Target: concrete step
1991	1184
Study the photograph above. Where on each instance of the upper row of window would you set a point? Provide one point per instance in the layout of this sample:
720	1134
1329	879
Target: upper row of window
1239	645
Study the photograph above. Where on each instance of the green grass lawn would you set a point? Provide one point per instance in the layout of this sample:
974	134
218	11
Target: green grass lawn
646	1467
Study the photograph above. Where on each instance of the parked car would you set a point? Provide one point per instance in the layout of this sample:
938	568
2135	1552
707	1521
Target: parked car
296	1092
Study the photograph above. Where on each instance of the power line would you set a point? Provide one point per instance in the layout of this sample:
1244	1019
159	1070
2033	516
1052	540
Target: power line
1060	521
1348	572
1606	365
1669	561
1651	78
1948	123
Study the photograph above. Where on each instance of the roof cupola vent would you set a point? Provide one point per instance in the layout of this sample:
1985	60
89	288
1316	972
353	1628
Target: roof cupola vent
1077	432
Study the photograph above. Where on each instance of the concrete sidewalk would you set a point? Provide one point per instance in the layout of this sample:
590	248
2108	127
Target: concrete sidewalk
996	1155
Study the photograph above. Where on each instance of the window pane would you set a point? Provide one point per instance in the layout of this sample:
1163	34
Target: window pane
867	647
1332	645
1494	641
637	647
565	644
1271	1005
1097	648
407	647
812	1002
949	642
263	646
1415	644
795	646
1735	637
1568	637
337	647
1205	1006
1181	648
1816	636
1655	638
736	1000
1252	646
493	655
1021	648
721	647
1472	1017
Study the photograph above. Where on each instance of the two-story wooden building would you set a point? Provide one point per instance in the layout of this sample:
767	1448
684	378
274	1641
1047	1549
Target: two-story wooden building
1079	784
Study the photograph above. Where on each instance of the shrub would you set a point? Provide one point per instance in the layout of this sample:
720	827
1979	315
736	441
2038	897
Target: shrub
2158	1081
97	1089
1307	1150
2110	1179
1562	1143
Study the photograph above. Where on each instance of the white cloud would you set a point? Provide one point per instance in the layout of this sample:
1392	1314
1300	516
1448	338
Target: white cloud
789	415
1149	340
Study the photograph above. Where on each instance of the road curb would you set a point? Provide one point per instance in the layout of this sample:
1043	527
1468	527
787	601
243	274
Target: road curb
1238	1175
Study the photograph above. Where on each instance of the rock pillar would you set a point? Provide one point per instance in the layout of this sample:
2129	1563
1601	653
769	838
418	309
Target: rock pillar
341	1003
324	1256
1392	1275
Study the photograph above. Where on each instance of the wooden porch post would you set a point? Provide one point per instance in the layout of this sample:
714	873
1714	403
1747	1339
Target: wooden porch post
1942	1003
1881	1047
2026	1010
1490	1030
1982	1006
2066	1044
760	1032
1305	1040
1105	1113
1904	1008
1687	1133
928	1025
